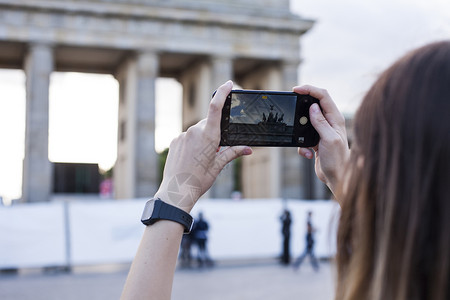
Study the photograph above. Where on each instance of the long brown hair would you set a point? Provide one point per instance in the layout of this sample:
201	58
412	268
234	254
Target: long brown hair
394	232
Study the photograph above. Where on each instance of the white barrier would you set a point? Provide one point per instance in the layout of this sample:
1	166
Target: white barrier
32	235
104	232
252	228
99	232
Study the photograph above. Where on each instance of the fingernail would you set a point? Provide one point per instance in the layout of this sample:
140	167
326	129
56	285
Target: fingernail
247	151
315	108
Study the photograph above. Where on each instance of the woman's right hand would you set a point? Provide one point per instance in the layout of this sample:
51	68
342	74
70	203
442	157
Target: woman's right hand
332	151
194	162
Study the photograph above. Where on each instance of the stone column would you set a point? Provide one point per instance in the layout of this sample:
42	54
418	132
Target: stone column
263	170
37	169
300	180
221	71
289	74
136	170
196	92
146	157
292	175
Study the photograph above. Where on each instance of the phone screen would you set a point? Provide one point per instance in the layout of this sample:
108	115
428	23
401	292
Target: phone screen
266	118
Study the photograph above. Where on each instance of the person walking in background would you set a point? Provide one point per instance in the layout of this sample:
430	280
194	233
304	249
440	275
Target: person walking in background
185	251
200	234
309	248
286	221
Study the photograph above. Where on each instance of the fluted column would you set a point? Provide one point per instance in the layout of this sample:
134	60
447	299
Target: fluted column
136	170
221	71
146	158
37	169
293	181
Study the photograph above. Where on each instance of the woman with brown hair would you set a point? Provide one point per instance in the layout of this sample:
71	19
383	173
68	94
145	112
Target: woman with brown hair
393	239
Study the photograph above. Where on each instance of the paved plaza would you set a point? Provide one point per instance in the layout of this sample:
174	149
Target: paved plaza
231	281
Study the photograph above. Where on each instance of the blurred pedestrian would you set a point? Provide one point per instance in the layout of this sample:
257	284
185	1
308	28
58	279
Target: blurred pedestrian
185	251
309	248
286	221
200	235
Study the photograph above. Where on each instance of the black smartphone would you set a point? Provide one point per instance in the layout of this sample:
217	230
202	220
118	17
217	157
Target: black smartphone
267	119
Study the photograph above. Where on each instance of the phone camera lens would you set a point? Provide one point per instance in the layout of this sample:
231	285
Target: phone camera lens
303	120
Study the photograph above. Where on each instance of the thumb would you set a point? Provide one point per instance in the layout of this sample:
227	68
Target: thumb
319	122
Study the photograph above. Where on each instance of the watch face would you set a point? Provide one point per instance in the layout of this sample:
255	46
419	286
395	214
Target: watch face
148	210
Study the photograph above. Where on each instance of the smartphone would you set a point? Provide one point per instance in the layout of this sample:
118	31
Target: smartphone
267	119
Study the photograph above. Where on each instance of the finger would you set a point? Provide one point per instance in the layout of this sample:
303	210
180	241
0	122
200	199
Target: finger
321	94
305	152
216	105
320	123
200	124
232	153
327	104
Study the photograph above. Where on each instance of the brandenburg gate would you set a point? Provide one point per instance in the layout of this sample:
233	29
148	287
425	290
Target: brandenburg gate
200	43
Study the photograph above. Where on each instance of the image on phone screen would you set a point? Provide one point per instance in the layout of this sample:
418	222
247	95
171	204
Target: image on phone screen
267	118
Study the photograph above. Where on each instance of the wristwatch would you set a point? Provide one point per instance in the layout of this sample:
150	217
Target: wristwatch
156	210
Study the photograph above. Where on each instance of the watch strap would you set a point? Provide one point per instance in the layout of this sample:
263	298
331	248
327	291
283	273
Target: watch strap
165	211
172	213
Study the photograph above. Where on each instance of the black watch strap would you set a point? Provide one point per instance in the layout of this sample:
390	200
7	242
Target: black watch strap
164	211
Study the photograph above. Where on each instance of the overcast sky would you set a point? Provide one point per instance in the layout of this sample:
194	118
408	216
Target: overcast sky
351	42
